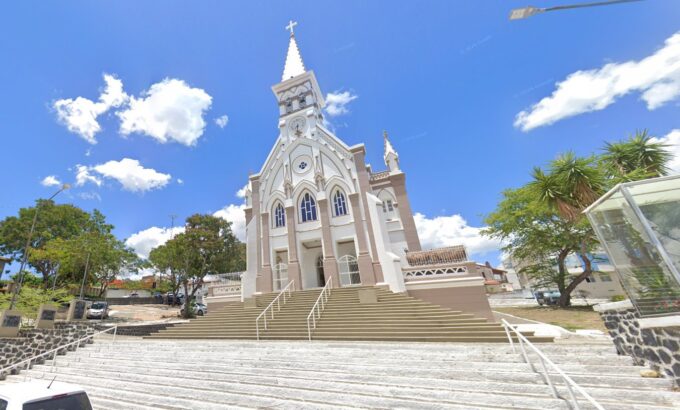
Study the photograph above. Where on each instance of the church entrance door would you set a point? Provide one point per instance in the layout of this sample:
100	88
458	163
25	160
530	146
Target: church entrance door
319	271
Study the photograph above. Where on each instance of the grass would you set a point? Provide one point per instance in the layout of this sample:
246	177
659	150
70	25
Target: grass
572	318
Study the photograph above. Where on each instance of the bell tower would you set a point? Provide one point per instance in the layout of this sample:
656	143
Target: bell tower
298	94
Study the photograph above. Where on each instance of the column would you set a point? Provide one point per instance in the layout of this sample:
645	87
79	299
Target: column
364	187
330	263
404	207
255	184
293	263
366	271
267	284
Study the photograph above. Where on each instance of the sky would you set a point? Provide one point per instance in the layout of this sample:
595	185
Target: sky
160	109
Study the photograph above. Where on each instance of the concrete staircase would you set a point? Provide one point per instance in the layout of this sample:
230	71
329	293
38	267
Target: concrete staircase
222	374
395	317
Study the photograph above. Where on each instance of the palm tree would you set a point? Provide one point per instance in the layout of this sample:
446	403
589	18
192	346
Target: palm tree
571	184
639	157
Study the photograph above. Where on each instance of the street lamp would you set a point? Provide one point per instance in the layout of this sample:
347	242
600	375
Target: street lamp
17	287
525	12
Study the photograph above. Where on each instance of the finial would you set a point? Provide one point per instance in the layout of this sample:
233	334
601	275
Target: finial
385	135
291	25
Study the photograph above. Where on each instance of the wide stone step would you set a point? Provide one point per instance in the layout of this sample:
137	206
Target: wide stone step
252	395
506	372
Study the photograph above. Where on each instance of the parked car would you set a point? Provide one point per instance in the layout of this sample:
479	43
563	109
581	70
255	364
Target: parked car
43	395
172	301
98	310
199	309
547	297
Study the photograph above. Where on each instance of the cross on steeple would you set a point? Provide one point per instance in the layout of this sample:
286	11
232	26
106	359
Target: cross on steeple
290	26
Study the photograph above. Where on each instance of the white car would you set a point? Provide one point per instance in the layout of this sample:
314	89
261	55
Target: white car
43	395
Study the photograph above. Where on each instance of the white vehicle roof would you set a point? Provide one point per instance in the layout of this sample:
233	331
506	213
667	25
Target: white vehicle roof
36	389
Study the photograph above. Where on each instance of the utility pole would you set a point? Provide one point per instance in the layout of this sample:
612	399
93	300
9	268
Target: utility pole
87	264
19	281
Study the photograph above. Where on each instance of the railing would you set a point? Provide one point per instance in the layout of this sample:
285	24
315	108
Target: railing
270	307
569	382
319	307
26	363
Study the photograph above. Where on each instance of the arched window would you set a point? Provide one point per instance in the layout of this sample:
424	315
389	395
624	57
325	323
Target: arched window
307	208
349	270
279	216
339	204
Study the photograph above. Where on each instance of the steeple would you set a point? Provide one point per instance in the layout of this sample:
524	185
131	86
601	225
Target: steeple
294	65
391	157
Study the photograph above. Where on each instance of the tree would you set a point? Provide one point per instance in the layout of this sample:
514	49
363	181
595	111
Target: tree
543	221
207	246
166	259
54	221
533	232
32	297
637	158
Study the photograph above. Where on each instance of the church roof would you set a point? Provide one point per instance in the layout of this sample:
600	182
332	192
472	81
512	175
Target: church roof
294	65
389	149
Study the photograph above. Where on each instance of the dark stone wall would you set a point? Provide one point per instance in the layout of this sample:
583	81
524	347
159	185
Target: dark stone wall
658	348
32	342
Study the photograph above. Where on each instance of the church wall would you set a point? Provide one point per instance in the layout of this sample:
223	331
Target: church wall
466	294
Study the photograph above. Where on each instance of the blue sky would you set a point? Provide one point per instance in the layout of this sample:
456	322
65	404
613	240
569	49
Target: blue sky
446	79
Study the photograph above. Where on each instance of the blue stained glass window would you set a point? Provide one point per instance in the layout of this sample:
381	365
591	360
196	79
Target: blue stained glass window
279	216
339	204
307	208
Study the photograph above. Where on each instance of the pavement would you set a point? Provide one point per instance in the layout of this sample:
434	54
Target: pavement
545	329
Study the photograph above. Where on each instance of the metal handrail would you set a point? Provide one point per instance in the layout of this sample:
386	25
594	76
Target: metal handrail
286	289
569	382
54	351
319	306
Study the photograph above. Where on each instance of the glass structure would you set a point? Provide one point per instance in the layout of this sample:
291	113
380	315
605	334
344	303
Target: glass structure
638	224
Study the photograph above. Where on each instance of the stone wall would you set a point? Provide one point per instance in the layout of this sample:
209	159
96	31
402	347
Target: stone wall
657	347
32	342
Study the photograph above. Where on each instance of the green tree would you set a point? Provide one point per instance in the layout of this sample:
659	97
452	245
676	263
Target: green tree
54	221
207	246
32	297
533	232
638	157
166	260
543	221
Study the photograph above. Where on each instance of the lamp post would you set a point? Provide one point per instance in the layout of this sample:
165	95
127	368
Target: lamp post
525	12
24	260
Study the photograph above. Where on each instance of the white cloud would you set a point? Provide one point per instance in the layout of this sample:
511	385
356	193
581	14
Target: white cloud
133	176
144	241
222	121
241	193
90	196
83	176
236	215
129	172
672	140
80	114
657	77
452	230
180	181
169	111
336	103
50	180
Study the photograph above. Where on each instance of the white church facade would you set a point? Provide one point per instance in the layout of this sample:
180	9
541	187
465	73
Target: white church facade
316	212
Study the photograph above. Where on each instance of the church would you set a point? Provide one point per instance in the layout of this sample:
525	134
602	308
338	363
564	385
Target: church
317	214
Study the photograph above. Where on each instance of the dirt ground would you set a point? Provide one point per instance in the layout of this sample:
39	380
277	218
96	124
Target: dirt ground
573	318
143	312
